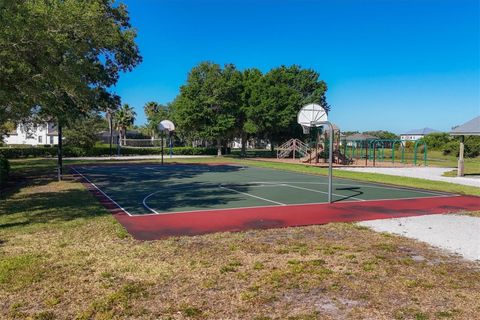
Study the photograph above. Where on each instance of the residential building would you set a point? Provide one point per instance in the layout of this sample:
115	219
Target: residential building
416	134
42	134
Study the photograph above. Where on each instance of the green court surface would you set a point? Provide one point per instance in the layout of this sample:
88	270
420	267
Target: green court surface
156	189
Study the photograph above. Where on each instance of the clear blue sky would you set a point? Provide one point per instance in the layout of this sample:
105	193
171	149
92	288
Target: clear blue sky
392	65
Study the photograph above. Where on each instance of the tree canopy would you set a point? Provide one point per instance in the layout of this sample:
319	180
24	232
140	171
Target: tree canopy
60	56
155	113
221	103
208	103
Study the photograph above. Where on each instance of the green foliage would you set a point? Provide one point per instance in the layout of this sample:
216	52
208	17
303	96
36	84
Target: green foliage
382	134
4	169
286	90
59	57
437	140
155	113
123	118
33	152
451	148
472	147
221	103
83	133
208	103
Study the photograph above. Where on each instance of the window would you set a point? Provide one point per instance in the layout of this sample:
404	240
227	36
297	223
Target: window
51	139
39	139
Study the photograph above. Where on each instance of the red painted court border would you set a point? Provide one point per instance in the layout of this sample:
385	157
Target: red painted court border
153	227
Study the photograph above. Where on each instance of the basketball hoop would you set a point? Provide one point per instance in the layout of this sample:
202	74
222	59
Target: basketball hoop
306	130
166	126
312	115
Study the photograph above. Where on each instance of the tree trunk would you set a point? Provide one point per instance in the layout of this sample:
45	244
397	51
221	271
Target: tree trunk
59	151
272	148
120	136
219	147
110	128
243	153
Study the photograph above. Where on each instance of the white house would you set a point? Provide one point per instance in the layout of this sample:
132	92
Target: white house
34	135
416	134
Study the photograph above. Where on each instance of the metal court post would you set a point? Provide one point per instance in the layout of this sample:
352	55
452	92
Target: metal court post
161	134
330	165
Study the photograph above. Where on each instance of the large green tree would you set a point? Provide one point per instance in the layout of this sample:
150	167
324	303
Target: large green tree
83	132
253	89
209	102
285	91
382	134
59	57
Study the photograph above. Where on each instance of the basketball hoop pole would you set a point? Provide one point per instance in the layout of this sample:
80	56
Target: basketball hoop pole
330	155
314	115
330	160
330	164
161	134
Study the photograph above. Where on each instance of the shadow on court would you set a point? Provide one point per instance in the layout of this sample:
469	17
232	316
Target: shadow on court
170	187
356	191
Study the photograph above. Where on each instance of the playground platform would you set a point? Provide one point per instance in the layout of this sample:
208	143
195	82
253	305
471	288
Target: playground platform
356	163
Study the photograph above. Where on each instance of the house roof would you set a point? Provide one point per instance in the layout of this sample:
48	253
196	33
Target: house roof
423	131
469	128
360	136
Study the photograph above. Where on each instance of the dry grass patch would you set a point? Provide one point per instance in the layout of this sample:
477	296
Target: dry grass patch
471	214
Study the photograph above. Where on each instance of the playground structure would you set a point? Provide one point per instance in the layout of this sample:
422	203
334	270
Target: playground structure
364	152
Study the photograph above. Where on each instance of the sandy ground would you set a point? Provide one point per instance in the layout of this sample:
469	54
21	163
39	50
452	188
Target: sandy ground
454	233
428	173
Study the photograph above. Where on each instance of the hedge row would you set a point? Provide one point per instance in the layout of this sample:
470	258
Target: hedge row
263	153
13	153
4	170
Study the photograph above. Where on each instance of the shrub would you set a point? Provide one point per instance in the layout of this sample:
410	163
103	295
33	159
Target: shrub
4	170
98	151
451	148
437	140
472	147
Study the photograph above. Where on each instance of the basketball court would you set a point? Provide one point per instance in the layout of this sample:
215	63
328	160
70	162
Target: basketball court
154	201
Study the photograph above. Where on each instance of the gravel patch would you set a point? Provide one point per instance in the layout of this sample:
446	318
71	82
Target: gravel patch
454	233
428	173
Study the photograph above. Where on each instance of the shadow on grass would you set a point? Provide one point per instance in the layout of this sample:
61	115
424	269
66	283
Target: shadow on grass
49	207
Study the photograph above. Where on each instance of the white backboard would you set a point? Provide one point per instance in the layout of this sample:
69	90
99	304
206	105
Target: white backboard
312	115
166	125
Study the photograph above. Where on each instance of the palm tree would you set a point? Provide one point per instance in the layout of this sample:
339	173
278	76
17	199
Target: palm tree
155	113
124	117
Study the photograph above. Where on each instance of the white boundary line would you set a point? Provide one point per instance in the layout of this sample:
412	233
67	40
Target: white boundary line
153	193
291	205
108	197
318	191
355	186
219	186
251	195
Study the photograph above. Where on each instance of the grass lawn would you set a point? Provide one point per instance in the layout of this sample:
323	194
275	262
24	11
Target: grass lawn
62	256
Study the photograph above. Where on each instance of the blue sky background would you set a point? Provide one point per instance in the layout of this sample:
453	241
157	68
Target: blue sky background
391	65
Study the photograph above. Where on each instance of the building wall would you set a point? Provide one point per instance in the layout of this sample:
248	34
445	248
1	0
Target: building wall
35	136
411	137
